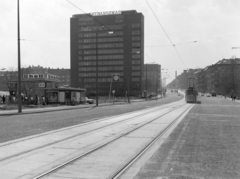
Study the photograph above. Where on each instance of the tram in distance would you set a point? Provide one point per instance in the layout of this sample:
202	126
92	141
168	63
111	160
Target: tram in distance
191	95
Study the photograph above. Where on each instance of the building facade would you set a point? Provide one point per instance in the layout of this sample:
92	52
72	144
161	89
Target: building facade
104	44
222	77
63	75
152	79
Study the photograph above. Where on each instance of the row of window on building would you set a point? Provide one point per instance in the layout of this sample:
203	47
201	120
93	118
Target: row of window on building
106	27
111	45
106	51
111	68
109	74
106	86
114	39
105	34
90	80
90	63
106	57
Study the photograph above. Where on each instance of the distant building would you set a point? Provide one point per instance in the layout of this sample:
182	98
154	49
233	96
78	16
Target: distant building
62	74
34	79
182	80
115	40
222	77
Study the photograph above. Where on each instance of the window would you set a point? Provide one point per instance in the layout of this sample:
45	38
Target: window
89	52
89	79
135	67
89	57
137	38
87	68
136	25
112	68
86	18
136	44
110	51
135	79
87	63
136	62
119	21
99	28
86	74
110	63
115	39
135	73
136	32
136	56
110	45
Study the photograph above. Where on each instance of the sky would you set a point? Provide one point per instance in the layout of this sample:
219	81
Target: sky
179	34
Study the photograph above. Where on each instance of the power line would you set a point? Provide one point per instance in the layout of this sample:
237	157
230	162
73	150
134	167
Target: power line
166	34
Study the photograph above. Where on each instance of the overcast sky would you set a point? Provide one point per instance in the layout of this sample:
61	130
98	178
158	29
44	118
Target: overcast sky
206	30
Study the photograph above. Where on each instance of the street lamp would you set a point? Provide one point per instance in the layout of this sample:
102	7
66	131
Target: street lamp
146	82
109	32
19	65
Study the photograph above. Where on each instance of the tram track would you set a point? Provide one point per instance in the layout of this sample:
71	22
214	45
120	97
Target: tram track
103	124
121	169
78	134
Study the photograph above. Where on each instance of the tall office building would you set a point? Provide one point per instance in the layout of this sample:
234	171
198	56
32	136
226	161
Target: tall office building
107	50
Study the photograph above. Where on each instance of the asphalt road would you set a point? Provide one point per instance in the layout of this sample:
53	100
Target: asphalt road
204	145
18	126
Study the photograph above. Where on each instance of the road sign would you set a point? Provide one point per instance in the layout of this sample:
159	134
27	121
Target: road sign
116	77
113	91
41	85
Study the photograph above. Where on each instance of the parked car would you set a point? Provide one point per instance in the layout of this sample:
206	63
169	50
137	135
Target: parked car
208	95
89	101
214	94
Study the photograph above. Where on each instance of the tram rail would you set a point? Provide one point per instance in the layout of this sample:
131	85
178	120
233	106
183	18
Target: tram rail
126	165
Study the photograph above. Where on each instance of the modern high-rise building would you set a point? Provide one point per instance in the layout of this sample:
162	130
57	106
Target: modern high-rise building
107	50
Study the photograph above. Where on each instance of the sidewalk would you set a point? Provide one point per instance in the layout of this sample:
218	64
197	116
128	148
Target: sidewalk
62	107
205	144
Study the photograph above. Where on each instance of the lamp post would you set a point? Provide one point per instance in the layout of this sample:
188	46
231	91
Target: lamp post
96	69
162	81
109	32
19	65
134	51
146	82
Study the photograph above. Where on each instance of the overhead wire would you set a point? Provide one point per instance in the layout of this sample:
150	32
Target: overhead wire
174	45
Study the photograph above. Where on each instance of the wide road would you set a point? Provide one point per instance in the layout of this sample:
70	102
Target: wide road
204	145
97	149
18	126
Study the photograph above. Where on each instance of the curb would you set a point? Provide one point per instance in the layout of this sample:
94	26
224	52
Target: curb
36	111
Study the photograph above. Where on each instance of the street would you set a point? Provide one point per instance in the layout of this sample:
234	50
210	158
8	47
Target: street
203	144
18	126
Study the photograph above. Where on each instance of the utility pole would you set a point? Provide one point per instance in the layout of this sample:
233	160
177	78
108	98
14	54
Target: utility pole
96	69
19	65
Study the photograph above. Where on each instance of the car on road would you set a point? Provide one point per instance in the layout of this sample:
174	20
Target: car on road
214	94
89	101
208	95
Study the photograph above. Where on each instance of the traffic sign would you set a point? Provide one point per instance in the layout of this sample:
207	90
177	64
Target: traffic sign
116	77
113	91
41	85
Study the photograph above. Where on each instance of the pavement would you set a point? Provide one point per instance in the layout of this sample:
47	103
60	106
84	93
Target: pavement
205	144
42	109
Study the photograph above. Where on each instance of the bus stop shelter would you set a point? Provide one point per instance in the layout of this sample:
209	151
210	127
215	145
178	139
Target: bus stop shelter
65	95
